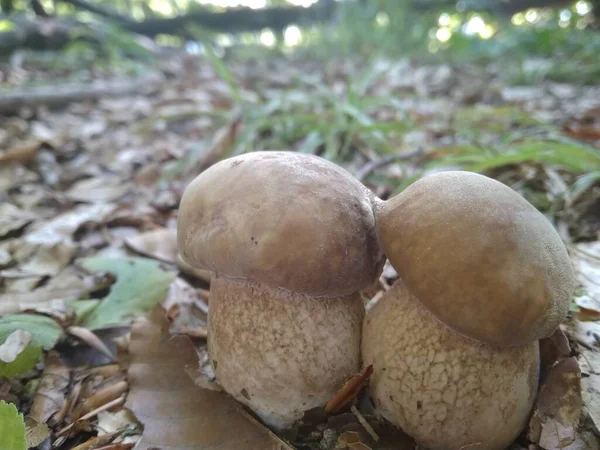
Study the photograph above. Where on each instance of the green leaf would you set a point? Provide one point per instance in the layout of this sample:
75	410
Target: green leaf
44	334
141	284
83	308
12	427
6	25
44	330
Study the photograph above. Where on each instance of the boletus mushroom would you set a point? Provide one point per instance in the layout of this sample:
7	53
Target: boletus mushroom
454	342
291	240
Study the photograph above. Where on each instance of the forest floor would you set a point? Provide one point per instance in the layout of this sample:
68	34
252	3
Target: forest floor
91	175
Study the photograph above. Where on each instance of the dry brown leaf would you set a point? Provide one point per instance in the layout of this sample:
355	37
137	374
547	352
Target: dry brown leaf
21	153
36	432
587	261
13	218
588	315
50	259
177	414
558	407
589	361
64	225
50	396
103	397
159	244
54	296
100	189
186	310
14	175
553	349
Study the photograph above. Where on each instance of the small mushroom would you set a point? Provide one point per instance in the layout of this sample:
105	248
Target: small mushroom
291	240
454	342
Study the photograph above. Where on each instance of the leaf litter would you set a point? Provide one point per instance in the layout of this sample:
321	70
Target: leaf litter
88	241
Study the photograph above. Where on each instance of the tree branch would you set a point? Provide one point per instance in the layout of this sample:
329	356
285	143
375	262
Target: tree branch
99	10
231	20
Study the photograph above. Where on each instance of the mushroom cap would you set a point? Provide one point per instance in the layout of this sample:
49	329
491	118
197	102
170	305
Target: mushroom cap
279	352
445	390
479	256
292	220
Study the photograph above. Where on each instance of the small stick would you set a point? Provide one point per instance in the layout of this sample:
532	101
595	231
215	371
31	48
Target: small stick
118	402
366	425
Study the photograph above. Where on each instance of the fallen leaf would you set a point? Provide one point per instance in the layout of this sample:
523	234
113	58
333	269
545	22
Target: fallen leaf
64	225
13	218
50	395
176	414
159	244
589	361
44	334
558	406
21	153
553	349
587	262
57	295
50	259
100	189
35	432
141	284
110	422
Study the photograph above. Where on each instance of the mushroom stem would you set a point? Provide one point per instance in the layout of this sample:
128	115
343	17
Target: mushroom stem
279	352
445	390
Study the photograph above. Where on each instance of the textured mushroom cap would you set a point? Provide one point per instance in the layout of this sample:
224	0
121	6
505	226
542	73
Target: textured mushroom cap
479	257
279	352
445	390
292	220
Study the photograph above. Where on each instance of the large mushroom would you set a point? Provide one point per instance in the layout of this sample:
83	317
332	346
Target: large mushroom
454	343
291	240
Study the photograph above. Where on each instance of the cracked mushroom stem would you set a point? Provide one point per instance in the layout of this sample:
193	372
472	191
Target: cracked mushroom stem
444	390
291	240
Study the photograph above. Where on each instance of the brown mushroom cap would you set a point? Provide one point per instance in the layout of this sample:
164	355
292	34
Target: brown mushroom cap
291	220
480	257
445	390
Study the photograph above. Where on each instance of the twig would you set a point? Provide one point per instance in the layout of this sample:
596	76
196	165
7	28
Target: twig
117	402
366	425
386	160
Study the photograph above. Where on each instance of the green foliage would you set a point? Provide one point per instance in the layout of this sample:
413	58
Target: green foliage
12	428
141	284
44	334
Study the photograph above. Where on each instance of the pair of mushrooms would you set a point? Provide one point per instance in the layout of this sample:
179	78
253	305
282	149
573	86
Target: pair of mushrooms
292	239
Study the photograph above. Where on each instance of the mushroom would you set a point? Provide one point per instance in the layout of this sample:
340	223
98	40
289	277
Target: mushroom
454	342
291	240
